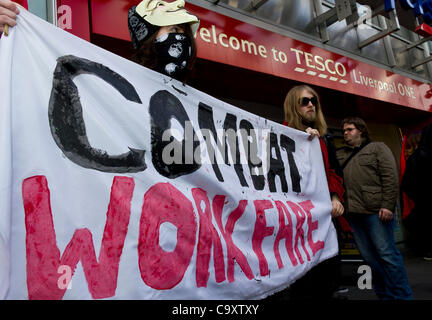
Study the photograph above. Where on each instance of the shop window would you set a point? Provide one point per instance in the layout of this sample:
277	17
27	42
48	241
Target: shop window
39	8
44	9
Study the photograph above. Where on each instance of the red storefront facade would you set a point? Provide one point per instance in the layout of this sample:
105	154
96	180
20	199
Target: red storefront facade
227	41
253	67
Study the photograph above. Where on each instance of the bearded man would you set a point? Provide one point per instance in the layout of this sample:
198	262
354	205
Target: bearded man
303	112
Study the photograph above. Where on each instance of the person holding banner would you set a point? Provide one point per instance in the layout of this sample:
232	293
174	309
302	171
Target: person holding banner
162	34
418	174
303	112
371	181
8	13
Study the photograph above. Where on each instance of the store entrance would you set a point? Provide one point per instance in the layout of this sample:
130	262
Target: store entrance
264	94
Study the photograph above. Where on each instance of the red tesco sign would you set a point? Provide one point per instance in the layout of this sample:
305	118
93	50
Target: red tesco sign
226	40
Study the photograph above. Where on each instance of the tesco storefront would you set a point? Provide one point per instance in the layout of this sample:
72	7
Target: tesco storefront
253	67
224	40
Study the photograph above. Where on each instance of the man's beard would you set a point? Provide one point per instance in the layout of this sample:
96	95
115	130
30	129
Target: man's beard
309	120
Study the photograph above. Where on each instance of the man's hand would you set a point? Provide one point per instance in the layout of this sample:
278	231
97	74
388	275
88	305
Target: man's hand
337	207
385	214
312	132
8	14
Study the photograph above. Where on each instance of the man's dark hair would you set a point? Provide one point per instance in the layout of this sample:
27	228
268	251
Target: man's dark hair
359	123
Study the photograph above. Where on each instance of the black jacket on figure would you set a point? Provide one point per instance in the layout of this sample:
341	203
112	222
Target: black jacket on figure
418	170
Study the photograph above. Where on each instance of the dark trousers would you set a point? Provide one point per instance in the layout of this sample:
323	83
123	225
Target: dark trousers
418	223
375	241
318	284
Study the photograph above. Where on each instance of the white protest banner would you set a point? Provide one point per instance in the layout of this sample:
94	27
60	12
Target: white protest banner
118	182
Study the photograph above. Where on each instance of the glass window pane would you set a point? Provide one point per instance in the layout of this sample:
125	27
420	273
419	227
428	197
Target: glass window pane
38	7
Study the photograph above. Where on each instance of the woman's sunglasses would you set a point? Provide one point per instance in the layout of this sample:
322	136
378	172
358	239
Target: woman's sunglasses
305	101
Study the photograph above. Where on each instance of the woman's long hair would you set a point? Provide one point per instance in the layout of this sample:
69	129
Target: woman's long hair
292	106
146	54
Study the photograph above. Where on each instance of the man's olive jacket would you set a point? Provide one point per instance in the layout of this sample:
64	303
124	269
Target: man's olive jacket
370	178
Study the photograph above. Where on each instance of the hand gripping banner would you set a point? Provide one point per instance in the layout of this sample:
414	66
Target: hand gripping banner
118	182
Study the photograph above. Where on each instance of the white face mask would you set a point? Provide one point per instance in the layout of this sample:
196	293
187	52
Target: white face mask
162	13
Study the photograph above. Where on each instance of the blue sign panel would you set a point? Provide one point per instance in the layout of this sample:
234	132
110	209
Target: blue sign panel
422	8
